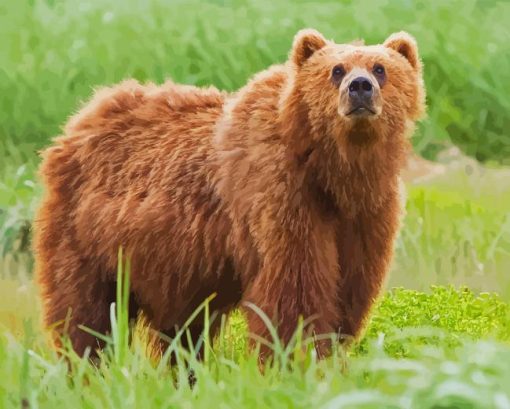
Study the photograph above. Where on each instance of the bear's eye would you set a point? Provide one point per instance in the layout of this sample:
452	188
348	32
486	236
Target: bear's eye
378	69
338	72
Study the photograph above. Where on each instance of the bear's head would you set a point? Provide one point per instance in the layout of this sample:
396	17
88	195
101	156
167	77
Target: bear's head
355	93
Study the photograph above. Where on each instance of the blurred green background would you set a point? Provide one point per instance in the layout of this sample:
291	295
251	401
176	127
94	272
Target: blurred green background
457	229
54	52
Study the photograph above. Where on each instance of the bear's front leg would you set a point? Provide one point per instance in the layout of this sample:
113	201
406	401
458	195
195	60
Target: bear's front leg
365	251
298	279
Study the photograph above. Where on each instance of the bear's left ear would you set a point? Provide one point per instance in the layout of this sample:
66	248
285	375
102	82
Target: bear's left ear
306	42
404	44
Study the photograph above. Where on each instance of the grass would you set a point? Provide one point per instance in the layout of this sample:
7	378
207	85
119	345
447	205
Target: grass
457	231
472	376
55	51
395	366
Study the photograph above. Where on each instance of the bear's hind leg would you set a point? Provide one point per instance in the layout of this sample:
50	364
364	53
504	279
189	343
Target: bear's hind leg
76	297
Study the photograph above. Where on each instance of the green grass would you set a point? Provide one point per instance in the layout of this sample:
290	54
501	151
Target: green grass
456	231
55	51
395	366
19	196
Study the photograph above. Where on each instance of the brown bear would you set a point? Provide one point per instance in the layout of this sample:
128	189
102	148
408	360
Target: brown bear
284	194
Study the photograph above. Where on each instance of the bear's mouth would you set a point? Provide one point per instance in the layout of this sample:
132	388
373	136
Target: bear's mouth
361	110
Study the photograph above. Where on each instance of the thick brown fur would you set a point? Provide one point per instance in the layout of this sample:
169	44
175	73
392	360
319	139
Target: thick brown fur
270	195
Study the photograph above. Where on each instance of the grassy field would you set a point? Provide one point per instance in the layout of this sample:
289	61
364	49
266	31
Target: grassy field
55	51
441	339
446	349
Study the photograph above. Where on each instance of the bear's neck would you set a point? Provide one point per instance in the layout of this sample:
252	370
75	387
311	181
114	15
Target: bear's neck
358	176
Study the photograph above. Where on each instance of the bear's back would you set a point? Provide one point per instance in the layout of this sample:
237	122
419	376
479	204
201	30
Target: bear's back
133	162
148	124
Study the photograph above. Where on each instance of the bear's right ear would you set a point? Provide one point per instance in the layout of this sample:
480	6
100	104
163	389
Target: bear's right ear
404	44
306	42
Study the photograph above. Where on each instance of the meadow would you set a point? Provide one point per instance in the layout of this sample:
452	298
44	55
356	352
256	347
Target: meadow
438	338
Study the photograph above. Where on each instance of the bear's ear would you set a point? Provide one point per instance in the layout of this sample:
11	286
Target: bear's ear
404	44
306	42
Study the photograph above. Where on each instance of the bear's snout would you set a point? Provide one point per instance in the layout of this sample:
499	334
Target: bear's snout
361	92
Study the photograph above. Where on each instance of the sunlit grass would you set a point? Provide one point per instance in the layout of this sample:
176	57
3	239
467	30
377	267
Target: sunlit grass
455	361
456	231
56	51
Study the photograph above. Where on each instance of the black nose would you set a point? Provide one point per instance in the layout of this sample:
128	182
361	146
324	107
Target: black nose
361	88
